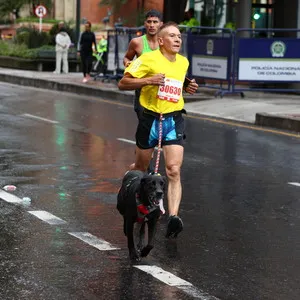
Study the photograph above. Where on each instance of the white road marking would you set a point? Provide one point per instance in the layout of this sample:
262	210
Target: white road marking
47	217
172	280
93	241
126	141
39	118
9	197
294	183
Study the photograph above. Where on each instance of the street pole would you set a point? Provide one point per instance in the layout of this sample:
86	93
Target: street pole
77	20
41	26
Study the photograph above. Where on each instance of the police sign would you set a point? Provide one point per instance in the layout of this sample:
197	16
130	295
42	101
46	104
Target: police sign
40	11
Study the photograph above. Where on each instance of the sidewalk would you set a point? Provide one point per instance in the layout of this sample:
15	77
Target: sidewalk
264	109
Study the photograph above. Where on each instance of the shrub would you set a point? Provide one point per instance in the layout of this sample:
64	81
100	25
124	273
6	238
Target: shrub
31	37
22	38
35	20
10	49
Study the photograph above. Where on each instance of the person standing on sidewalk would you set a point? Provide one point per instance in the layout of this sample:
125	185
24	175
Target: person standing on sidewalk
85	49
144	44
62	45
160	75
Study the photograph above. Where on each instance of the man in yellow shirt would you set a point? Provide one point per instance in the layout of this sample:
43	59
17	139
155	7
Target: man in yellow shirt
161	76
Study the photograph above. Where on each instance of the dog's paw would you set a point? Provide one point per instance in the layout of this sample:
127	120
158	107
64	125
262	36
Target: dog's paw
134	256
140	246
145	251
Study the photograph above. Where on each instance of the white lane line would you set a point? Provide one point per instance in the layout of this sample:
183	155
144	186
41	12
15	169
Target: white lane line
126	141
47	217
39	118
9	197
172	280
93	241
294	183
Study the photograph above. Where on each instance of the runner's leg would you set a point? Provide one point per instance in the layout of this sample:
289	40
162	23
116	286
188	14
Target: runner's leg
142	159
173	155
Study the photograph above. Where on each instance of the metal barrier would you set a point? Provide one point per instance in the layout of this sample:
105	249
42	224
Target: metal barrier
223	59
117	44
262	59
210	51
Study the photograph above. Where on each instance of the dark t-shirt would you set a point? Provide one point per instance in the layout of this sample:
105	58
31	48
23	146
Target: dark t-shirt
86	41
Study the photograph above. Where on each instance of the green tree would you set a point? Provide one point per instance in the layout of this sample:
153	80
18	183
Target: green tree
14	6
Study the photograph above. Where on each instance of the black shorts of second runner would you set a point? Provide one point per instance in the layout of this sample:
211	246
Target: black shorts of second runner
136	103
148	130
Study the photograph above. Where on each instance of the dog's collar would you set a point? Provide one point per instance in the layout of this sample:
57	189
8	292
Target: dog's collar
142	210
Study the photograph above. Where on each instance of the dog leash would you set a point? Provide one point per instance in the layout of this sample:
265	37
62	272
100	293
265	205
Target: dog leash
160	129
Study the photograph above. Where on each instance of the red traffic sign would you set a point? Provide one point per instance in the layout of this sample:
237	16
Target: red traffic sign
40	11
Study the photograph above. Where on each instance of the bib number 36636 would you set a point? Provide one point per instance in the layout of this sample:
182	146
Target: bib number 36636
171	91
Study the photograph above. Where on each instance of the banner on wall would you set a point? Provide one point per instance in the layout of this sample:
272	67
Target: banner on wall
210	57
269	60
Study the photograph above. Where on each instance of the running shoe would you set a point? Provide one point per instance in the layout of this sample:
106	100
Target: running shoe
174	227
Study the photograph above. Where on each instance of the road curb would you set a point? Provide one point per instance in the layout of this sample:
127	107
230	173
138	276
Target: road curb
68	87
278	121
88	90
261	119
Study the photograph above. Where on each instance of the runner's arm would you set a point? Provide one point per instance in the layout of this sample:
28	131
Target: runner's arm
191	86
130	53
128	82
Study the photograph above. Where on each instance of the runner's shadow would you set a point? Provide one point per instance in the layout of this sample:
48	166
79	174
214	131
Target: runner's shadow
171	248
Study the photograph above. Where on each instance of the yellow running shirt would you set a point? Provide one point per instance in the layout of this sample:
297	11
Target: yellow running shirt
160	99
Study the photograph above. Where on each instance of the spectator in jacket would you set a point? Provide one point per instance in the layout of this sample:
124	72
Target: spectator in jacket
62	46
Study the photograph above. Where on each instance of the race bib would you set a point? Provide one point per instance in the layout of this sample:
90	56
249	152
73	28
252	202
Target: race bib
171	91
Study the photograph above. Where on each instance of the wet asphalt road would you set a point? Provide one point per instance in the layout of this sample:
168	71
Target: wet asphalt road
242	217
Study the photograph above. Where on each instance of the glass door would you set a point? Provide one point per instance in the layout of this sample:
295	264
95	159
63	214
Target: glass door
262	14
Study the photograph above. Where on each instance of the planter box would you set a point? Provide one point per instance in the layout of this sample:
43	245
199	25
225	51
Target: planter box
52	54
39	64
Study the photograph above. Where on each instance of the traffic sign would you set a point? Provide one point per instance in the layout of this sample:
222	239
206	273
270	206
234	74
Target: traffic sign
40	11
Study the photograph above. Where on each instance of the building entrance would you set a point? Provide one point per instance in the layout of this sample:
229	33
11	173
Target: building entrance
262	14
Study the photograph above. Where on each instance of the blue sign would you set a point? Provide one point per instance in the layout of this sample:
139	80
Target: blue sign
269	48
276	60
210	56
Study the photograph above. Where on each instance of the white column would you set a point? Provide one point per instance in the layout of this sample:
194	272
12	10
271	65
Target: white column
70	10
59	10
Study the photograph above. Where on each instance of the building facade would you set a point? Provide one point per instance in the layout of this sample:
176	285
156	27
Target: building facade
240	13
248	13
128	14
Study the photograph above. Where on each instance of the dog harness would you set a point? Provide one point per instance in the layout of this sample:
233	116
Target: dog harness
143	211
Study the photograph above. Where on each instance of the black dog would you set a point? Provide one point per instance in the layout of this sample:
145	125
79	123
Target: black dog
140	199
